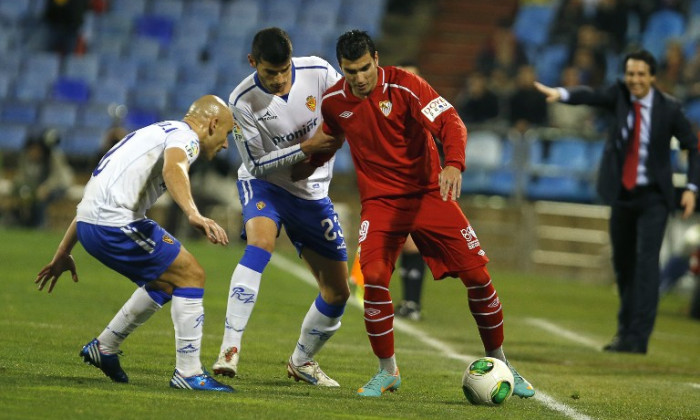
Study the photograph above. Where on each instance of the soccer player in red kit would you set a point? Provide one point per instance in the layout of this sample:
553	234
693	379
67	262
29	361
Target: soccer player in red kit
387	116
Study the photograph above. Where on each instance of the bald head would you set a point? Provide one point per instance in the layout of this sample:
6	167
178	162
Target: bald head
206	107
211	119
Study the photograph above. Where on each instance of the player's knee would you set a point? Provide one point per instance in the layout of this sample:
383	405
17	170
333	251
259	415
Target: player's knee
377	273
263	242
475	277
337	293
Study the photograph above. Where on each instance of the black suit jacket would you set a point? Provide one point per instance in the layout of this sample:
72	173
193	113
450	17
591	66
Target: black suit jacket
667	121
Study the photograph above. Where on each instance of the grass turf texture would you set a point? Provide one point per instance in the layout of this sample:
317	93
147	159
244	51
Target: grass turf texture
41	375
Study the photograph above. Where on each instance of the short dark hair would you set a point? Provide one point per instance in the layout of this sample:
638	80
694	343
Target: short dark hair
642	55
272	45
353	45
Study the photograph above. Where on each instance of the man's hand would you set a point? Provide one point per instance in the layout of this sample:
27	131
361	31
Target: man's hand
551	94
450	180
302	170
321	142
214	233
53	270
688	203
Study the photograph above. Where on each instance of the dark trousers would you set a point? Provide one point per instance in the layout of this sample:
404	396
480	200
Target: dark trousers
637	224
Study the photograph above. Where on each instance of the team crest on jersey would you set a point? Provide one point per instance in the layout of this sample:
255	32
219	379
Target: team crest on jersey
385	106
167	239
237	131
436	107
192	149
260	205
311	103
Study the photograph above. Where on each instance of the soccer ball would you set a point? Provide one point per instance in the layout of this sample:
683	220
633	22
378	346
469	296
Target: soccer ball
487	381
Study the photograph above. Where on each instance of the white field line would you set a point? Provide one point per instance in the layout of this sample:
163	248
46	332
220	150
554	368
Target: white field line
439	346
563	332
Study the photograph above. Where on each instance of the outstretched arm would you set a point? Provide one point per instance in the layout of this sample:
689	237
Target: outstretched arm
62	261
177	181
550	93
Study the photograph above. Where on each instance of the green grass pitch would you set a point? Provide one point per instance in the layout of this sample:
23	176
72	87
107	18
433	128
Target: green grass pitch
554	330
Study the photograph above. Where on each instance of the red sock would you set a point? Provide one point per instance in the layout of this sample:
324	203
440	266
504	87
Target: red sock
485	306
379	309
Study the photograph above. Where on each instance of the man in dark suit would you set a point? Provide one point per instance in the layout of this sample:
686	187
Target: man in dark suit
635	180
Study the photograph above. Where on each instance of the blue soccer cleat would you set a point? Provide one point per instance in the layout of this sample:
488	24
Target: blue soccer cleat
522	388
201	382
108	363
380	383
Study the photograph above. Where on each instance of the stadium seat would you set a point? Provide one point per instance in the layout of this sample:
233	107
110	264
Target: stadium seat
31	87
149	97
58	115
206	10
550	63
484	150
280	13
114	25
106	46
69	89
11	62
95	116
199	73
185	94
532	22
692	111
12	11
83	142
662	26
365	14
322	18
475	181
308	41
45	64
243	15
501	182
137	118
558	188
5	85
13	137
111	90
170	8
85	67
162	72
128	7
19	112
569	154
142	49
123	69
156	27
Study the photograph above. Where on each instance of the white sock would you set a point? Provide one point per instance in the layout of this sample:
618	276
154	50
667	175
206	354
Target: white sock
188	318
135	312
242	295
389	364
316	329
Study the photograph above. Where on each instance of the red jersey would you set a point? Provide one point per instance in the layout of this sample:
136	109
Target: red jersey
390	133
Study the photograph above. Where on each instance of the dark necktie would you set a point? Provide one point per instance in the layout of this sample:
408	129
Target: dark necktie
629	170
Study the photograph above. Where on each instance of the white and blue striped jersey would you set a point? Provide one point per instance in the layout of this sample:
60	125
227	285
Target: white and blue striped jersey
268	128
129	178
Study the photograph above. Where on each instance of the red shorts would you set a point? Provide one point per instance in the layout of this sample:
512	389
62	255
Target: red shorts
441	231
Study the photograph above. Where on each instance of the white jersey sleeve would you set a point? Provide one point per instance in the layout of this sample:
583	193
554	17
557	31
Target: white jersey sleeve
129	178
268	128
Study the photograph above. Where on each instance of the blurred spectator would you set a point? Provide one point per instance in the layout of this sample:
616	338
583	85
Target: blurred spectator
570	16
691	75
579	119
670	75
62	21
588	53
611	20
527	107
502	52
477	103
111	137
43	175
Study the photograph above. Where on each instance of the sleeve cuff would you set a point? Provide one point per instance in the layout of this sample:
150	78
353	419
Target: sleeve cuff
563	94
